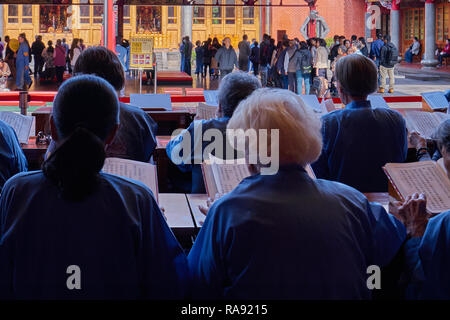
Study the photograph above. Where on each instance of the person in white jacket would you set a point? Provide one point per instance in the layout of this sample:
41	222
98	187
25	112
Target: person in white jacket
413	50
74	52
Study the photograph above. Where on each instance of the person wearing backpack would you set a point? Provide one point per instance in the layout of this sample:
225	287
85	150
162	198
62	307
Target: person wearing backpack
388	60
304	68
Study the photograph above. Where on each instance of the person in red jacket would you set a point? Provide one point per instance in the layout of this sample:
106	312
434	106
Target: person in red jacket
444	53
60	60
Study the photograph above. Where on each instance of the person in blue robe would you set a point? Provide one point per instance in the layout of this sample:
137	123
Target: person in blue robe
427	257
23	80
283	235
182	63
361	138
12	159
136	137
233	89
71	231
121	52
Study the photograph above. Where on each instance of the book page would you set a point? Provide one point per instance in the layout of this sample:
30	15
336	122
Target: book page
140	171
424	122
228	173
310	171
435	99
211	97
208	179
206	112
311	101
20	123
422	177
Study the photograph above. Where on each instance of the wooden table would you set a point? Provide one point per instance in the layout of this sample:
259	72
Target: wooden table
34	153
178	216
168	121
380	197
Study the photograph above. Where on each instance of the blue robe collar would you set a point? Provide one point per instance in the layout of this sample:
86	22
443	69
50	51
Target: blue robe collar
358	104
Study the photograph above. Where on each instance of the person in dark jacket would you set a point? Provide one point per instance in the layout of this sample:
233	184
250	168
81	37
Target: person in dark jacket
207	55
226	58
9	58
244	53
36	50
304	68
187	55
280	65
265	57
198	58
254	58
388	60
135	138
363	44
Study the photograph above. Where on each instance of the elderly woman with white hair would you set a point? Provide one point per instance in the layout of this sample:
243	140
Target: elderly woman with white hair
285	235
361	138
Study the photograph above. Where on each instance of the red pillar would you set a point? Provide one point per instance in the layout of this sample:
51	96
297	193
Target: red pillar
110	26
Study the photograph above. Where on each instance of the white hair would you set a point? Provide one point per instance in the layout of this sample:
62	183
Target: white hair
300	139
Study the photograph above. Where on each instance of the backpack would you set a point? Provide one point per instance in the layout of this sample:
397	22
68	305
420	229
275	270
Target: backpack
392	54
305	64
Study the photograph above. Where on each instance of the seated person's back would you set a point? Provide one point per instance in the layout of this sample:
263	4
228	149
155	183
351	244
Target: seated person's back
360	139
12	159
287	236
233	89
135	138
86	234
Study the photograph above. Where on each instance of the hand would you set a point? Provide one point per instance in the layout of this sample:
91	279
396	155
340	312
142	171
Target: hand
417	140
413	214
209	203
26	67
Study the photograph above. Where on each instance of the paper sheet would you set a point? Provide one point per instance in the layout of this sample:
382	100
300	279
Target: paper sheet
20	123
211	97
422	177
205	112
312	102
228	173
424	122
140	171
327	106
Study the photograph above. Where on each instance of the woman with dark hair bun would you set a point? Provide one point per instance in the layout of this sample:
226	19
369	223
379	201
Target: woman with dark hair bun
71	231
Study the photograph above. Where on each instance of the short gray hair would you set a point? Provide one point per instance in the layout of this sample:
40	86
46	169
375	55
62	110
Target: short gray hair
300	138
357	75
234	88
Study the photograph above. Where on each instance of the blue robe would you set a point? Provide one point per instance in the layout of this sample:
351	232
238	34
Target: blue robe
357	142
286	236
122	55
22	61
428	261
12	159
117	236
173	146
182	57
136	137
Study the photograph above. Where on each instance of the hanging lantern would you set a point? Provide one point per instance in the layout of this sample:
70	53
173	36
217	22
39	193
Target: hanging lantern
388	3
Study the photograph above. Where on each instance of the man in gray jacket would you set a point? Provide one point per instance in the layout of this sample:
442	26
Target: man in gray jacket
244	53
227	58
290	65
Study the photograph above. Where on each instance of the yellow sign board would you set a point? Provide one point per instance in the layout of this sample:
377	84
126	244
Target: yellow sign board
141	51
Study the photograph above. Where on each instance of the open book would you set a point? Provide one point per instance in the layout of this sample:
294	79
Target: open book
427	177
222	176
211	97
434	101
424	122
20	123
205	112
140	171
327	105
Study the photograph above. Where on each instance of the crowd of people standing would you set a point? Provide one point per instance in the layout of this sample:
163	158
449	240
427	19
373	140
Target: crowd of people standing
304	67
49	61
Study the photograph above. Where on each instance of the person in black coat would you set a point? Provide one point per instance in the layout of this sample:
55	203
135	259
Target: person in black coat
254	58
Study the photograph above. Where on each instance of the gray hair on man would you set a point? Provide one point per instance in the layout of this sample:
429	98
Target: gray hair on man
234	88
